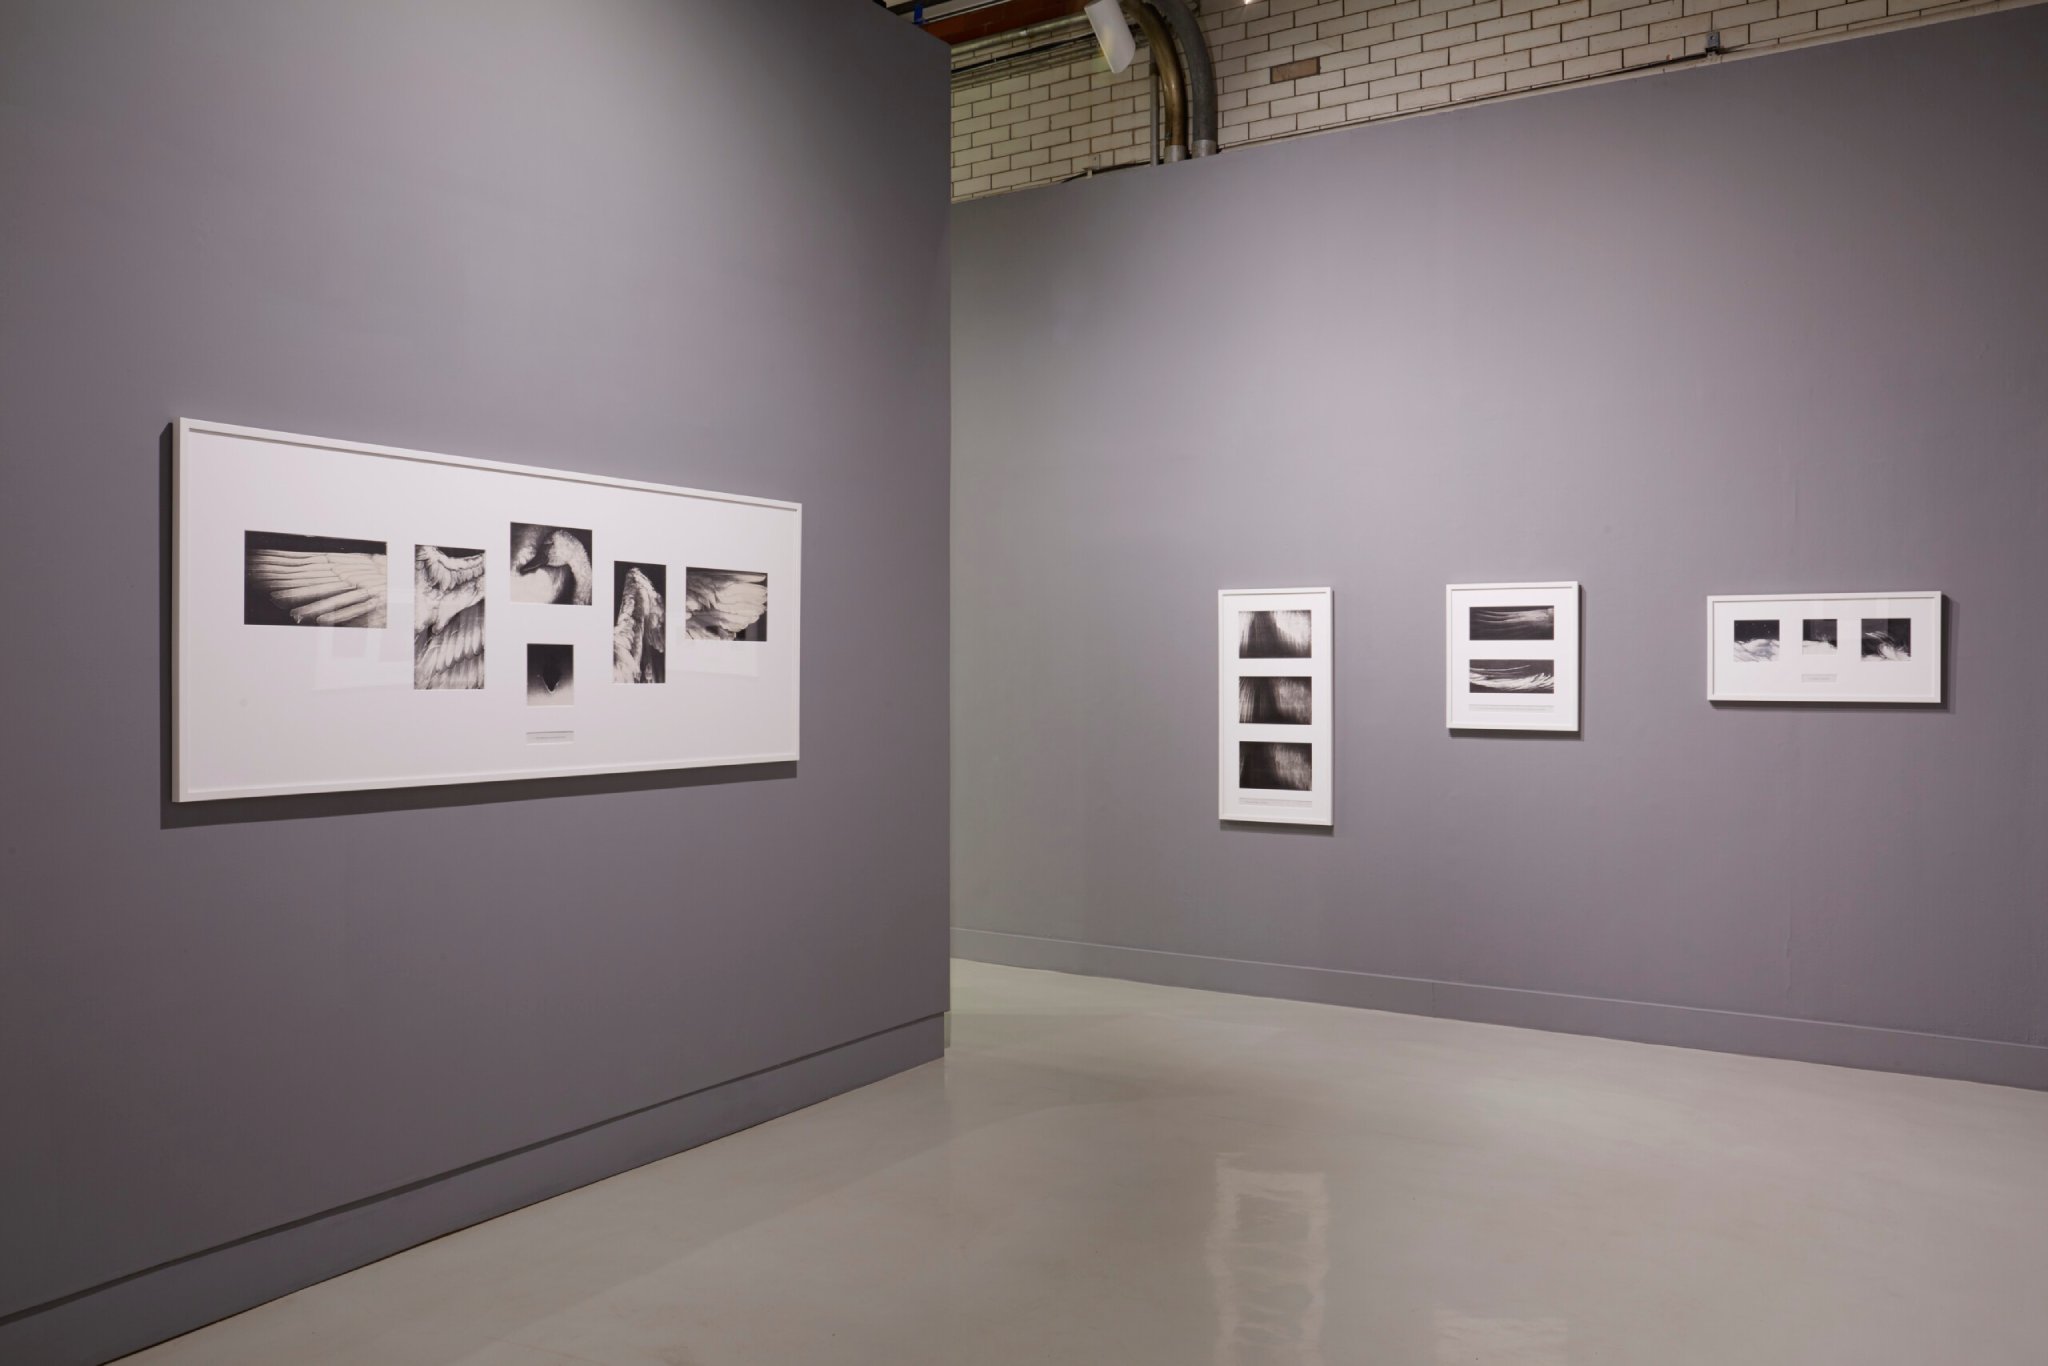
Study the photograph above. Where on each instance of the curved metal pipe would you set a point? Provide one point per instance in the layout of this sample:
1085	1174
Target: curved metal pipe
1172	91
1201	95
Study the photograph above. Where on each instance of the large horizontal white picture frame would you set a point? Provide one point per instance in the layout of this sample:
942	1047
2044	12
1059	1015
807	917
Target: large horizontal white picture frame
1275	754
608	655
1825	647
1511	656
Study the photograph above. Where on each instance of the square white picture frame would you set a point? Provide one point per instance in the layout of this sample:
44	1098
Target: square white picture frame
1511	656
1825	647
1275	757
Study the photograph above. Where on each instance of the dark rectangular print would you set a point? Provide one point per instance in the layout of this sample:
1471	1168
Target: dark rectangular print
1512	675
1887	637
1274	701
725	604
550	675
447	618
639	622
1819	635
1275	765
551	564
290	580
1514	623
1756	641
1275	635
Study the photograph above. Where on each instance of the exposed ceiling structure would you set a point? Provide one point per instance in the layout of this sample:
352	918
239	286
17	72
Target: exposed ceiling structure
963	21
995	38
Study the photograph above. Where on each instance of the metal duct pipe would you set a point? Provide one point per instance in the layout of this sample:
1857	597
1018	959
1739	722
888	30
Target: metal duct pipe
1201	92
1173	92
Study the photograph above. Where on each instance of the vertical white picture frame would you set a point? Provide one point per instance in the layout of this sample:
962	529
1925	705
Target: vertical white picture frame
1511	656
1275	759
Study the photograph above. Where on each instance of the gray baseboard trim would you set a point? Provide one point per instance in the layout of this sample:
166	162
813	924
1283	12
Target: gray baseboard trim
1724	1031
100	1323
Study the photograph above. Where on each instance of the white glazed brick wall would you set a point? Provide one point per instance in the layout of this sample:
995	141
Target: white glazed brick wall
1285	67
1043	127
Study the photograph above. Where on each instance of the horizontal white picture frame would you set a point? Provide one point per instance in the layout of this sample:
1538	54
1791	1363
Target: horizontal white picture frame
1825	647
1512	656
352	616
1276	760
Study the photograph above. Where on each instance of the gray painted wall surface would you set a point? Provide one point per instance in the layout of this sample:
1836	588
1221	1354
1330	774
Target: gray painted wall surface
701	243
1770	325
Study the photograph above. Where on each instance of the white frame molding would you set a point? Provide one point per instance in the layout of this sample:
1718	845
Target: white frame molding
1453	677
182	788
1936	657
1320	808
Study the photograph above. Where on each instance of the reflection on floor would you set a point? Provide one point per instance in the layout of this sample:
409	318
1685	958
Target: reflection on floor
1108	1174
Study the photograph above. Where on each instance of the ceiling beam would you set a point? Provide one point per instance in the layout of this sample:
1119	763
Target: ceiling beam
987	21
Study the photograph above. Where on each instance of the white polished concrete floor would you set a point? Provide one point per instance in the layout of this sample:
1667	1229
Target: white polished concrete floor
1108	1174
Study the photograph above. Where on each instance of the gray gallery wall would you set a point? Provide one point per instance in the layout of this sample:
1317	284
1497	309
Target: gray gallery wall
1771	325
696	242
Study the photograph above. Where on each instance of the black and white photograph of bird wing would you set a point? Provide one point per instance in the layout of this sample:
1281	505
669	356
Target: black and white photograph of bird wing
314	581
447	618
725	604
551	564
639	624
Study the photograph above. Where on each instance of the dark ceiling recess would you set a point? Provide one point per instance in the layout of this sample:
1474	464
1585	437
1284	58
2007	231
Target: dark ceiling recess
985	21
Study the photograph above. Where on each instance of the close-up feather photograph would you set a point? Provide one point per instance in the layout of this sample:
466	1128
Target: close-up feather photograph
725	604
639	622
294	580
551	564
448	604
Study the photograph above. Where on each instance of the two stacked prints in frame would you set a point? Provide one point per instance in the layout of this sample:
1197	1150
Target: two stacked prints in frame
1825	647
1513	656
1274	716
352	616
